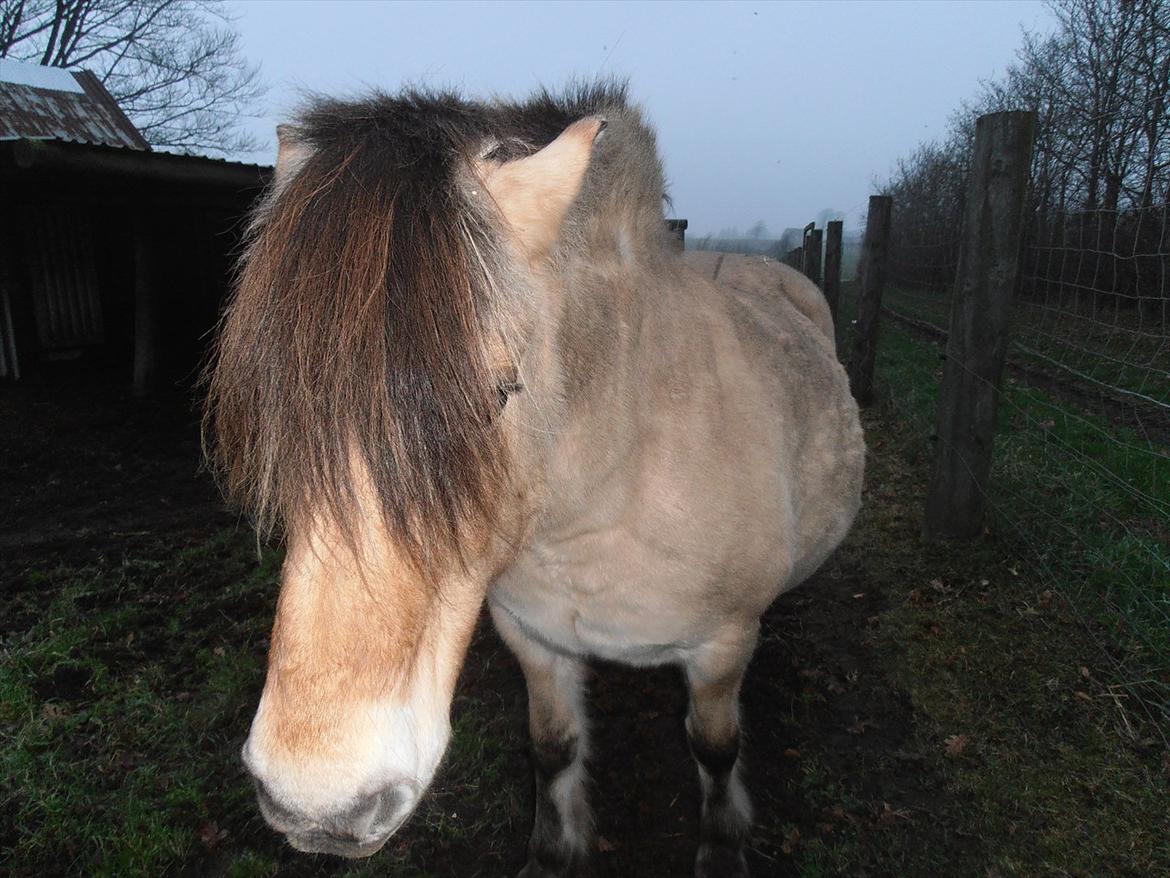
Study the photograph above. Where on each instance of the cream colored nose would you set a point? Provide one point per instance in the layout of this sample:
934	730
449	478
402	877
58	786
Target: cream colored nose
357	831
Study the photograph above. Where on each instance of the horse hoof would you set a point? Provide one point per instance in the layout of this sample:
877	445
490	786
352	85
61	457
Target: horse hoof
721	861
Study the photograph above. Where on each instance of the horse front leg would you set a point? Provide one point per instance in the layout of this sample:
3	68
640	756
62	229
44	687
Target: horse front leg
714	674
562	844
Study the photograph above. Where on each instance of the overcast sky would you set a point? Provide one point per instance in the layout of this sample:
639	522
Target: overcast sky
769	111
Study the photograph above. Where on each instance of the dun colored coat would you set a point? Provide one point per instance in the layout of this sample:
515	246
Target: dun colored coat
464	365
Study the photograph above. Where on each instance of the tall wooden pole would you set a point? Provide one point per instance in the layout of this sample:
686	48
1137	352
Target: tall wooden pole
833	266
875	256
989	261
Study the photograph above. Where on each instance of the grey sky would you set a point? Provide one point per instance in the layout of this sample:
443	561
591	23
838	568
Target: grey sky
768	111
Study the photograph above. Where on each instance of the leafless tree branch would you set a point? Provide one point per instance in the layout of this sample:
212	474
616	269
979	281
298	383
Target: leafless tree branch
176	67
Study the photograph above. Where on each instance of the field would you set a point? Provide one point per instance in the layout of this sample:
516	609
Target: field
914	710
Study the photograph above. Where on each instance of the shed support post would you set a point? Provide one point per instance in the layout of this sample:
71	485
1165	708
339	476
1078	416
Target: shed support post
145	312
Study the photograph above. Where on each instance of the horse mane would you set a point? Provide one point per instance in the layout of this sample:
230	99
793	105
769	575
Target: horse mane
360	352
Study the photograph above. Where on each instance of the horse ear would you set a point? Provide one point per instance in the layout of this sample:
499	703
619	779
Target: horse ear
534	193
291	155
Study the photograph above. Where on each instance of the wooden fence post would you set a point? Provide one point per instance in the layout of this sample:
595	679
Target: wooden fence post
833	266
875	257
989	258
812	255
795	258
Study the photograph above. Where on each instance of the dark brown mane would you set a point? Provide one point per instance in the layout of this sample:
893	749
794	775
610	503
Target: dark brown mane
366	312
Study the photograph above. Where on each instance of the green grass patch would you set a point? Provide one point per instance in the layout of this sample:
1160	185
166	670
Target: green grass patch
1016	705
122	706
1106	350
1088	502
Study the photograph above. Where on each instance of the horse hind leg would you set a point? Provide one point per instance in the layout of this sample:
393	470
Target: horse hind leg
563	843
714	675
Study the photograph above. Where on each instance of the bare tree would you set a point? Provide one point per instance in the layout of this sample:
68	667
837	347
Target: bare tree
1100	86
174	66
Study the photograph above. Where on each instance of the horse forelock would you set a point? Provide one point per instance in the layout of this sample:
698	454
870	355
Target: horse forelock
359	355
356	357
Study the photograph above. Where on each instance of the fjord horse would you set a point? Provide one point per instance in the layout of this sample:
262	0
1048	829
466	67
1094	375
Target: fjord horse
462	365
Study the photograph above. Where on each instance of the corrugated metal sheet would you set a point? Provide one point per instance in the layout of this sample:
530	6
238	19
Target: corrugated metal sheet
36	112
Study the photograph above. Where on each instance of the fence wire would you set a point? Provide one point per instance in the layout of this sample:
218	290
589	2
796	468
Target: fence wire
1081	474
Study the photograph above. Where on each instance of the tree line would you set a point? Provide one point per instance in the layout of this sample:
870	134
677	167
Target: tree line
1099	85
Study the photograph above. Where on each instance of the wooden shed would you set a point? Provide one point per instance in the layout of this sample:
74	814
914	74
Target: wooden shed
114	258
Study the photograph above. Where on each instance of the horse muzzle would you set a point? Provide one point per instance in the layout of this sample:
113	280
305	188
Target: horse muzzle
359	830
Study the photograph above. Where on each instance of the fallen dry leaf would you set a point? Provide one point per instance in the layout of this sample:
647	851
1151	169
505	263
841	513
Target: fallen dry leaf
791	840
955	745
211	835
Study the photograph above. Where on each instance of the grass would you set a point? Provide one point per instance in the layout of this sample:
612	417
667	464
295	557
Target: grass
1014	708
1109	352
101	772
1084	498
122	710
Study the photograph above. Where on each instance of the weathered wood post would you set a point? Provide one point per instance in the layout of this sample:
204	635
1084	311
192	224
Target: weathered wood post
812	255
875	256
833	266
795	258
989	257
678	232
145	311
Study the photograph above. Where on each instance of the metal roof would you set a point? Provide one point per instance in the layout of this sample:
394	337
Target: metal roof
38	103
99	161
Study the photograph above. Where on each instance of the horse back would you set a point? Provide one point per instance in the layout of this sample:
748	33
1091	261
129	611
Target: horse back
760	278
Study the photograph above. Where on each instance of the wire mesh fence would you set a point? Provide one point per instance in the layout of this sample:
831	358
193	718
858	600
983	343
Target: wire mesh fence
1081	475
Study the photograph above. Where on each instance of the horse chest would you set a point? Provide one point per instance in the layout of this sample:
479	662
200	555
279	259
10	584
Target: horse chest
604	601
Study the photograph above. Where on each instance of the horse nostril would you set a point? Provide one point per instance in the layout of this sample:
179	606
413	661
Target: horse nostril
279	817
378	814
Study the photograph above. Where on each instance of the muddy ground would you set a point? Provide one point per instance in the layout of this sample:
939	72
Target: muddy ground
840	768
